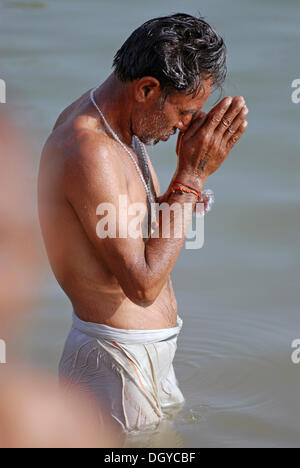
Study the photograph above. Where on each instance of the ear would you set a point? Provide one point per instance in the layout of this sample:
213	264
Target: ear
147	88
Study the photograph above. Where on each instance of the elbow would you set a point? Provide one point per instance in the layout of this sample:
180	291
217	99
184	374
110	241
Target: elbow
141	288
143	297
144	304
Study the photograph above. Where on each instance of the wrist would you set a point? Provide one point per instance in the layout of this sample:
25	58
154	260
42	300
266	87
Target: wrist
191	179
182	197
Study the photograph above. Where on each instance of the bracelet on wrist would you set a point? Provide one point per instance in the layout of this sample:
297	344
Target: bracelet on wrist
184	188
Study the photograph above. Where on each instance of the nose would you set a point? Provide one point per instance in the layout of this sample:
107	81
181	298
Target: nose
184	123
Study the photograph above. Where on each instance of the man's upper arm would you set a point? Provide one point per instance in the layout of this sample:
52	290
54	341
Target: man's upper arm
92	177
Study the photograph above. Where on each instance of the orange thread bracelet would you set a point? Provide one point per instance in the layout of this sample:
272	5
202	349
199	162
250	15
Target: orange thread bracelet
187	190
188	186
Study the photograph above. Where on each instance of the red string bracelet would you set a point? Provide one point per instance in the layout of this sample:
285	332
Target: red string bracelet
188	186
187	190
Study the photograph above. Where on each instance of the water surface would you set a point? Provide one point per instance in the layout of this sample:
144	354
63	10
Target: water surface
239	295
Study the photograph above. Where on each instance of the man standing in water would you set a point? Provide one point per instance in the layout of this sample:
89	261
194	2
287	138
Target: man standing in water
125	324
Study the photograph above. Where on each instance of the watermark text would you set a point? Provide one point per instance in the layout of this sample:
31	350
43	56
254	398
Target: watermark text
296	93
2	352
295	357
131	220
2	92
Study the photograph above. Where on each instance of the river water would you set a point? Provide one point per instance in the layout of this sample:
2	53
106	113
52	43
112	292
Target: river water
238	295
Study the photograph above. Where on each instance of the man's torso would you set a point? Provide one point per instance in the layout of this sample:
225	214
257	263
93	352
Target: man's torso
94	291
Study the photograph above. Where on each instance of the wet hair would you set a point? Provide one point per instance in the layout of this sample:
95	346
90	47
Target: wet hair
178	50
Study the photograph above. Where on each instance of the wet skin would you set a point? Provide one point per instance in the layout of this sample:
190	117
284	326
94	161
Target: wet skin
124	283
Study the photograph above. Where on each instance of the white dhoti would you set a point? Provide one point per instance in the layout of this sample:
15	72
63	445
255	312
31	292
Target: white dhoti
129	371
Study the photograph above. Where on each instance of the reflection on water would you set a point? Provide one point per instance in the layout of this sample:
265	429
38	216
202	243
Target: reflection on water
239	295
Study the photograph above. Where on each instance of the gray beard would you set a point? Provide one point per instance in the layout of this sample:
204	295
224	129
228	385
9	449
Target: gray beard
150	141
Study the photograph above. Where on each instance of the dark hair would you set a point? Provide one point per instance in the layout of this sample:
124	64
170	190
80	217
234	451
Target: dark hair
176	50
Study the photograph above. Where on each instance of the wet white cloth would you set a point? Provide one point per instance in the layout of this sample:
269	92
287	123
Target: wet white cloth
129	371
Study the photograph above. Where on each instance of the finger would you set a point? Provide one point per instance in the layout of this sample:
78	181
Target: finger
236	106
235	138
240	118
198	115
213	117
219	134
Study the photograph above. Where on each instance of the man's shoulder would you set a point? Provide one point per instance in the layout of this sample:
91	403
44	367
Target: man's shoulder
89	147
91	158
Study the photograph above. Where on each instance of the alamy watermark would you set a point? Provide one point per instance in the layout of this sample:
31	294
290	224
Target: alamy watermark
2	92
130	220
2	352
295	96
295	356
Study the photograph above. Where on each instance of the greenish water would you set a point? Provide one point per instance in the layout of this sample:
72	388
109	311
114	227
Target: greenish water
239	295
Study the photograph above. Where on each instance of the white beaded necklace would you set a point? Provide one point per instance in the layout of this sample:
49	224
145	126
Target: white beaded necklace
136	142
